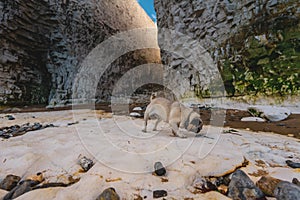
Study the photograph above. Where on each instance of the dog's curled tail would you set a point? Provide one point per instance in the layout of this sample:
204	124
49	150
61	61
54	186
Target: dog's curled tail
153	96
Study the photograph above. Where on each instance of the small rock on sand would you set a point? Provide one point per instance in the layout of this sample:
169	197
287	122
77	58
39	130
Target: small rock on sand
292	164
86	163
108	194
296	181
159	193
9	182
10	117
252	119
135	114
159	169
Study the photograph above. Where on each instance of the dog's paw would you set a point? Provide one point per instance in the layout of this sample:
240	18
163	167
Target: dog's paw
182	136
144	131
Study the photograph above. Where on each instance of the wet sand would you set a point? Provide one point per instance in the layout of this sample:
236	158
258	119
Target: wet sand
289	126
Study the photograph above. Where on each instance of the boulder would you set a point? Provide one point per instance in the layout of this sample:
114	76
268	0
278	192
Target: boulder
241	187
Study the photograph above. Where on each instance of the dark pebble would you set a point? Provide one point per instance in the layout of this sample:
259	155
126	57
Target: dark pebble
108	194
159	169
86	163
159	193
10	117
73	123
292	164
296	181
9	182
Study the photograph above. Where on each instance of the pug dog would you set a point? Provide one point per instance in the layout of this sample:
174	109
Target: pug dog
174	113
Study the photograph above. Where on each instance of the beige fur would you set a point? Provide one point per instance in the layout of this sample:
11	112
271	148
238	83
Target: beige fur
174	113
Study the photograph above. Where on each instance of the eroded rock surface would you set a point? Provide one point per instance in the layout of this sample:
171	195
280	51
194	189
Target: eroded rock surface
250	42
44	42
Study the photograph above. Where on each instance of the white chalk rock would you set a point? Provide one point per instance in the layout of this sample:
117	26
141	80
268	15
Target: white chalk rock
272	113
252	119
137	109
135	114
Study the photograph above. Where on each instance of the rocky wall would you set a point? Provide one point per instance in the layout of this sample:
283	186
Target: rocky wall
43	43
254	44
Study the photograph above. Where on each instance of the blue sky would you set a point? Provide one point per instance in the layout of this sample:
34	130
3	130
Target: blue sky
148	6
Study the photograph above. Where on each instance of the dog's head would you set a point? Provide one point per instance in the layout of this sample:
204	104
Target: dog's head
195	124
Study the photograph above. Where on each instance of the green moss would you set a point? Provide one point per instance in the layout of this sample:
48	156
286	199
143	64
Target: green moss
270	64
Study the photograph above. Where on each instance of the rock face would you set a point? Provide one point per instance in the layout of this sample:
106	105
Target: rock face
254	44
43	43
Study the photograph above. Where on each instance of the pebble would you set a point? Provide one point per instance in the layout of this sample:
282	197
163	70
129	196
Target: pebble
296	181
135	114
137	109
10	117
292	164
159	169
86	163
108	194
252	119
159	194
16	130
9	182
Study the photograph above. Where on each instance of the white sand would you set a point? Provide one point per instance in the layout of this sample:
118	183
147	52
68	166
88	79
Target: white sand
125	156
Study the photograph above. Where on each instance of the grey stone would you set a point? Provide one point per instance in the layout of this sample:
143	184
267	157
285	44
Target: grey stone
159	169
287	191
86	163
241	187
292	164
108	194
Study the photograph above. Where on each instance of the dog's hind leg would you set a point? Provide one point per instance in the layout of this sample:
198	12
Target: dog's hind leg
156	123
146	118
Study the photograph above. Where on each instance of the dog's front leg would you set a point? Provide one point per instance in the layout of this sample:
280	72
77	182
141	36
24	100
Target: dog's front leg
156	123
175	129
